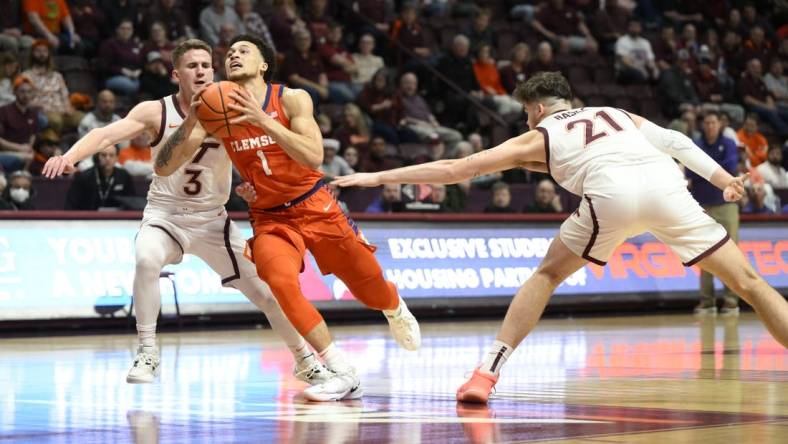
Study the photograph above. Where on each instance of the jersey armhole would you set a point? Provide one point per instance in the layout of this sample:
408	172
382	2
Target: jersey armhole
546	136
159	136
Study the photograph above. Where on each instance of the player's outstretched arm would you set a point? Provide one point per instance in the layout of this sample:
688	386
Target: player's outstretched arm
144	116
683	149
302	141
181	146
524	150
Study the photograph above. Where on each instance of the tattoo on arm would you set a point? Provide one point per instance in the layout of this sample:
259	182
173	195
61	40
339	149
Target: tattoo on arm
165	154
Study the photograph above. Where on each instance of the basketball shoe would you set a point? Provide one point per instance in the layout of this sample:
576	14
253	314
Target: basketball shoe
404	327
340	386
145	367
312	371
478	388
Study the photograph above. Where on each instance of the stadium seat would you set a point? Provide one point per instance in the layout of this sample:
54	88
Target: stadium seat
578	75
604	74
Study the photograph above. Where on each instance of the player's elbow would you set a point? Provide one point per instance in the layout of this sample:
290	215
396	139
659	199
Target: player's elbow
315	159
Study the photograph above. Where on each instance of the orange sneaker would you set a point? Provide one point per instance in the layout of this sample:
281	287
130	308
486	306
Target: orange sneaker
478	388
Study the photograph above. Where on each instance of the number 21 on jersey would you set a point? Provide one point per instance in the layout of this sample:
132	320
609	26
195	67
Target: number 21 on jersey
590	136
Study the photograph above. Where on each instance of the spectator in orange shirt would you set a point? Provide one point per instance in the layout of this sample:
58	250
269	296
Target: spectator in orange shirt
51	20
486	71
136	158
754	142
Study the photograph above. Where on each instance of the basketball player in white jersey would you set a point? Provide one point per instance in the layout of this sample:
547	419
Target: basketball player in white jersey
185	215
621	165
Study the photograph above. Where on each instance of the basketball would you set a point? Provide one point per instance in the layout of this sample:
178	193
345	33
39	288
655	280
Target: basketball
214	112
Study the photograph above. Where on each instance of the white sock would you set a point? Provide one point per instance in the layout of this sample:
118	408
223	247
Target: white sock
335	359
302	354
496	357
394	312
147	335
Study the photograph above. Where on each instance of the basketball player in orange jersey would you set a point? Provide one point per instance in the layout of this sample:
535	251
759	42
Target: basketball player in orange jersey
185	215
623	166
277	147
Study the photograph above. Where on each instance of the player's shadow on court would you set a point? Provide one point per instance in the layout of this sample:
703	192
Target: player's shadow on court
719	359
477	423
144	426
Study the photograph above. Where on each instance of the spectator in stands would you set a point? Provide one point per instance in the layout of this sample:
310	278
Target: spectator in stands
90	20
665	48
47	144
174	20
51	20
18	126
118	10
389	201
213	16
756	97
754	142
367	63
379	101
227	33
253	23
755	203
377	159
100	186
514	72
101	116
565	27
339	65
501	200
546	200
302	68
772	170
750	20
459	65
325	125
711	93
379	12
689	40
51	93
686	124
725	153
489	79
159	42
136	158
12	38
464	149
20	191
5	204
417	116
634	57
317	19
728	131
408	32
352	158
479	31
734	22
676	86
610	23
333	165
733	54
354	129
284	23
777	84
9	69
544	60
155	80
681	12
757	47
121	60
436	150
475	139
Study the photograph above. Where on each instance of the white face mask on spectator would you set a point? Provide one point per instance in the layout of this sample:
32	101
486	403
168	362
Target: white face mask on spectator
19	194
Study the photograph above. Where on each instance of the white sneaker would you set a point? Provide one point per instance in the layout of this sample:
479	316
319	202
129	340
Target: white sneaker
405	328
145	367
312	371
340	386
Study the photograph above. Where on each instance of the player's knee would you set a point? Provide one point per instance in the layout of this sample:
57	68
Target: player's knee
551	275
148	266
747	283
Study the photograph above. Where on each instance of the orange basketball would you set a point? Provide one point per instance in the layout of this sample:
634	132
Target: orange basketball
214	113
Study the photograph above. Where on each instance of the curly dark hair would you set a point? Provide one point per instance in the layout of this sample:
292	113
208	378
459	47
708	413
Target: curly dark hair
268	53
543	85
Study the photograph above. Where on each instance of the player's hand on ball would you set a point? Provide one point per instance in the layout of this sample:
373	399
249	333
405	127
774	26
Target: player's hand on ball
249	106
735	189
247	192
357	180
56	166
196	100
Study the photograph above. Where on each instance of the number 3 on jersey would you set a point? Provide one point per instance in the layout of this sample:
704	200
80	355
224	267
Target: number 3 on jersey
264	162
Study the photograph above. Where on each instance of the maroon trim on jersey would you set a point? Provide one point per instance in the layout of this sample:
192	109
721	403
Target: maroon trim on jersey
228	246
594	233
712	249
546	147
627	114
161	125
168	234
178	106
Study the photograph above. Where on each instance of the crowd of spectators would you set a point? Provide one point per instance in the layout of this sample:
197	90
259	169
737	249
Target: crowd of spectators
401	82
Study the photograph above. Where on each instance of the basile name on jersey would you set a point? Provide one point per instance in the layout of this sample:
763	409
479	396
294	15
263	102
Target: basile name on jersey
251	143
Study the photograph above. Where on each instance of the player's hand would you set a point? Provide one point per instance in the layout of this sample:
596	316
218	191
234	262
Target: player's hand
249	106
56	166
247	192
735	189
357	180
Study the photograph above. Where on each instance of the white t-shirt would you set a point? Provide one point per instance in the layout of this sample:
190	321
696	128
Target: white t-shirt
638	50
774	175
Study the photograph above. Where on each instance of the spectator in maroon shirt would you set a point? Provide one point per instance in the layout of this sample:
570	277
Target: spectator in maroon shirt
174	19
89	19
479	30
733	54
338	63
665	47
757	46
544	60
610	23
711	93
304	69
751	19
379	12
18	125
283	24
378	100
565	27
160	43
735	23
409	33
121	58
317	19
757	98
515	71
377	159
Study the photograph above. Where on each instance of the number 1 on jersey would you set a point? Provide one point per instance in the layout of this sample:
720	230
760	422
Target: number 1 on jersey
264	161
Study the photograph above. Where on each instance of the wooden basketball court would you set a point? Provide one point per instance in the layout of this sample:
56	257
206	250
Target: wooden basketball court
594	380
